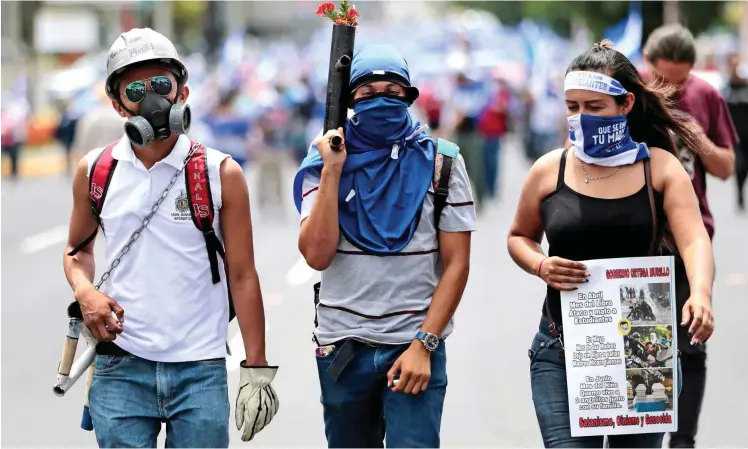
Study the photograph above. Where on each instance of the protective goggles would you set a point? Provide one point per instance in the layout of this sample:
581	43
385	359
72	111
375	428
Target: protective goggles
135	91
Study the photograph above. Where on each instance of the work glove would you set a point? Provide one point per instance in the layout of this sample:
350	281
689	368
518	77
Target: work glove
256	403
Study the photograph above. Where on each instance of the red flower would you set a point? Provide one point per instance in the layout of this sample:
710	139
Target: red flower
347	15
352	15
325	9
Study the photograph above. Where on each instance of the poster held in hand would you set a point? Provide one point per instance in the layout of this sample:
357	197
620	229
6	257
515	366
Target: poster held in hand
621	348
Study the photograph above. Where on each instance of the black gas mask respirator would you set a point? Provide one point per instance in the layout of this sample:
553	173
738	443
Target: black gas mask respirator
157	119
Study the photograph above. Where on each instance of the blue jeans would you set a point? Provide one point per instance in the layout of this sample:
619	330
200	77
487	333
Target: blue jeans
549	394
359	409
130	397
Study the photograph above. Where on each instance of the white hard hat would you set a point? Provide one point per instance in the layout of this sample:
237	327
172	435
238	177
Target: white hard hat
137	46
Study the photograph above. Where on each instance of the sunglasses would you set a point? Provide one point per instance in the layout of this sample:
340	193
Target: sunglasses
135	91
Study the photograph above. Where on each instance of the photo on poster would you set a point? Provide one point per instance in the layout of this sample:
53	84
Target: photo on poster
646	303
648	346
650	389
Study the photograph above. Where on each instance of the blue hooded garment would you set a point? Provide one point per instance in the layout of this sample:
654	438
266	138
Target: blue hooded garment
389	166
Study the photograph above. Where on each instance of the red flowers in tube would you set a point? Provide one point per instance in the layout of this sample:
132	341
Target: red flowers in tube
346	15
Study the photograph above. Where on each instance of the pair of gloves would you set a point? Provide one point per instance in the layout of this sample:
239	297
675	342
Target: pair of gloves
257	403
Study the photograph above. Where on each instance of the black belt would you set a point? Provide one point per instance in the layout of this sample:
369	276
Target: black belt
110	349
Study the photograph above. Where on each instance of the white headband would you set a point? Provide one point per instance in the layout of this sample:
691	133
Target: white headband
594	81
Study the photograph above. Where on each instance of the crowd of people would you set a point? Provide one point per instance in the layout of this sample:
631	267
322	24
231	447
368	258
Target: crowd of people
390	282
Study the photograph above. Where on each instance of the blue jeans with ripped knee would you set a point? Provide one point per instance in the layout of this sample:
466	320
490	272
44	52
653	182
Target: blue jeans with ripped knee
549	394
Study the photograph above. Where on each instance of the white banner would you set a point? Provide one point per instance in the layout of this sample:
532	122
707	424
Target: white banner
621	348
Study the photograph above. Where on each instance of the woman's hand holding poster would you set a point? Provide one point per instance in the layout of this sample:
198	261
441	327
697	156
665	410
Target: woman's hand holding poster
620	344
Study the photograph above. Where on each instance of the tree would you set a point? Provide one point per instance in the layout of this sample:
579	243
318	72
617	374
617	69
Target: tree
697	15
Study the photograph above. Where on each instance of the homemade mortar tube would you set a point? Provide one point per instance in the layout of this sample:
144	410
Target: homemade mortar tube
70	371
338	80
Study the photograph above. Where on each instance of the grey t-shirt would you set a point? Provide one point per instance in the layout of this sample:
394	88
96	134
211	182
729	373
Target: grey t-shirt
384	299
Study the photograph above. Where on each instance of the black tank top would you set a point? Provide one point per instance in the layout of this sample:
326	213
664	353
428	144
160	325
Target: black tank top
580	227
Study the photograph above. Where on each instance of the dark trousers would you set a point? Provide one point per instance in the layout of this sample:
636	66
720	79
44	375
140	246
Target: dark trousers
491	149
13	151
693	367
741	169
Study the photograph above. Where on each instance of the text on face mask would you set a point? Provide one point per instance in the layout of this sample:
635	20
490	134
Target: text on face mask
609	134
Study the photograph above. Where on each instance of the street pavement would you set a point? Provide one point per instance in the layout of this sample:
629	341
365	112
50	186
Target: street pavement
488	401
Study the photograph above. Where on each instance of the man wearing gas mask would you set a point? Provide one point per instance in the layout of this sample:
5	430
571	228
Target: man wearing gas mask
389	225
161	310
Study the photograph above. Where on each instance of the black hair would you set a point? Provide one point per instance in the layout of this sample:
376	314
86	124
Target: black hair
672	42
651	119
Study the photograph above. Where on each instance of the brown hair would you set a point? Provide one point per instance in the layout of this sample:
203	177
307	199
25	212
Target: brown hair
672	42
652	119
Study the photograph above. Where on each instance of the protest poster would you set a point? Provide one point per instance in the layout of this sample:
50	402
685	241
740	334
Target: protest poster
621	348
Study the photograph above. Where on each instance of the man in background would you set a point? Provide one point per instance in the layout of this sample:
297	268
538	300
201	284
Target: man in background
98	127
670	53
736	95
468	100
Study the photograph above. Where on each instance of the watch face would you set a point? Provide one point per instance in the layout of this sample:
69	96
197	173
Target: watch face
431	342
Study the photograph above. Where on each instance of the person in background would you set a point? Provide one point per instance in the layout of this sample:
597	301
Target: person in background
305	105
670	54
464	107
98	127
430	106
547	125
736	95
272	144
66	131
15	114
593	201
229	131
493	125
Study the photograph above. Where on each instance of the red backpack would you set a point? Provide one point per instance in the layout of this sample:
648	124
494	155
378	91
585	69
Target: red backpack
199	200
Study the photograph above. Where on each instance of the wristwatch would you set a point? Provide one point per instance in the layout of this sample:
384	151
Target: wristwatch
430	341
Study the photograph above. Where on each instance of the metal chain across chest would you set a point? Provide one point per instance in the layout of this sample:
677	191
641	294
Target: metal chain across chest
146	220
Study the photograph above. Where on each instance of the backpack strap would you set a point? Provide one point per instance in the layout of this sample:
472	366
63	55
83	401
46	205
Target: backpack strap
446	152
102	170
201	209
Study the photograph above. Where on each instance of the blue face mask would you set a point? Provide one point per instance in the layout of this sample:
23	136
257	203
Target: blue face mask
380	120
604	140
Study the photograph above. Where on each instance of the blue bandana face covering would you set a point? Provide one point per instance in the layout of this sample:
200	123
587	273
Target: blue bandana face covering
599	140
604	140
389	167
378	121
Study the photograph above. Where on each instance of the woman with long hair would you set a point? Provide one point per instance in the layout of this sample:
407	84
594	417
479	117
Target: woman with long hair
606	198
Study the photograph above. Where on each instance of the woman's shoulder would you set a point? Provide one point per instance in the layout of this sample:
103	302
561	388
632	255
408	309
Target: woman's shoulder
548	163
543	175
662	158
665	166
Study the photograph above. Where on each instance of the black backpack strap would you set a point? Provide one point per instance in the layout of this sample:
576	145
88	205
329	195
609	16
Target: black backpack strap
200	202
102	170
446	152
